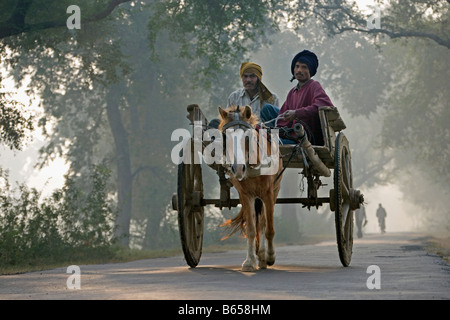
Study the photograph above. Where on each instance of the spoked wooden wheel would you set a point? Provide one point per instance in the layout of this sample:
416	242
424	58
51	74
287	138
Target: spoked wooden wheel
190	211
345	199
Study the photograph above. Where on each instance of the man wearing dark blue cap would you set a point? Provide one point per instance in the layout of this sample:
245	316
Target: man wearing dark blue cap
303	101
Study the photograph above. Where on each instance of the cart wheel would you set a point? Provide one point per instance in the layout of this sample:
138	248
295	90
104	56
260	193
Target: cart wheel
342	198
190	211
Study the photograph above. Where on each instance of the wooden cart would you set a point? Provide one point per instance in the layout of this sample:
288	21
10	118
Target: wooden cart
316	162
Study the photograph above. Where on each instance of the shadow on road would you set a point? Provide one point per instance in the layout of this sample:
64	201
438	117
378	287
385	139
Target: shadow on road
275	270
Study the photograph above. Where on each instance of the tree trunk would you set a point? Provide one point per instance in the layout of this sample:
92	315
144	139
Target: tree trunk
124	175
151	234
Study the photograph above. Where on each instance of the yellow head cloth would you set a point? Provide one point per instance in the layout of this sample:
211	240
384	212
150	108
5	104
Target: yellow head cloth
251	67
264	93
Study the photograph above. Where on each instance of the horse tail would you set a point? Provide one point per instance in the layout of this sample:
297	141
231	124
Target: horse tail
238	223
234	225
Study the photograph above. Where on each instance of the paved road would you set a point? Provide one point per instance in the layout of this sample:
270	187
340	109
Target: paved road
406	271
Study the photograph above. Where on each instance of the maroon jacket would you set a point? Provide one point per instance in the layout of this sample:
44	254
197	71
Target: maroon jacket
306	100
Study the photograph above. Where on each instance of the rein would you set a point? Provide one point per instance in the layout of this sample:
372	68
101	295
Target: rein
295	151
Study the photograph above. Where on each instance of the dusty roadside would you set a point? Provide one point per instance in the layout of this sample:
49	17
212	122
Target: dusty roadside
438	245
406	271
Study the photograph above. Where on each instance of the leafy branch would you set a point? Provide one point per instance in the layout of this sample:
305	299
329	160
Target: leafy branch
16	23
400	19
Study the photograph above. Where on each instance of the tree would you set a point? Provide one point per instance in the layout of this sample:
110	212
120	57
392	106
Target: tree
63	69
426	19
27	16
82	77
416	129
413	102
219	31
112	90
23	16
14	125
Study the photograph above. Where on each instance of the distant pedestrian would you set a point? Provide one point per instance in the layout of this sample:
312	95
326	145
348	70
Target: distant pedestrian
381	215
361	220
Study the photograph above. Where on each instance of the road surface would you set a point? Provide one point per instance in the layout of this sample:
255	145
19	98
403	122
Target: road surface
389	266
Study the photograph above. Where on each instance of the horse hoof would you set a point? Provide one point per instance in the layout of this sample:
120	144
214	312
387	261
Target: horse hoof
271	260
248	267
262	260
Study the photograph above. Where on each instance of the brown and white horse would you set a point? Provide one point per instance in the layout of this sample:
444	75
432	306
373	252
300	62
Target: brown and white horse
257	192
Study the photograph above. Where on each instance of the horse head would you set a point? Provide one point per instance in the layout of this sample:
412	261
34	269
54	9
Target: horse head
237	125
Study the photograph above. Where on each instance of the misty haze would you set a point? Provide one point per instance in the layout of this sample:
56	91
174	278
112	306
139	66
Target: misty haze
87	113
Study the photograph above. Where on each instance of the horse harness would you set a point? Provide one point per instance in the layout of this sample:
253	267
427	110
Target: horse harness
236	122
284	131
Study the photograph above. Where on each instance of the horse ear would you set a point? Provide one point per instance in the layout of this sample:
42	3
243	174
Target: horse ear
247	112
223	114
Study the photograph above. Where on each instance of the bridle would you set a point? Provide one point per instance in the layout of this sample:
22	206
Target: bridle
236	123
231	128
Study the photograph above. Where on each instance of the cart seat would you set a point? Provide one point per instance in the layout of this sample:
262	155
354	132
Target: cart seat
331	122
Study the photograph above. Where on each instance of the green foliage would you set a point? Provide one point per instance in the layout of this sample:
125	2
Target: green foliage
196	48
426	19
14	125
419	120
218	31
29	16
415	128
70	224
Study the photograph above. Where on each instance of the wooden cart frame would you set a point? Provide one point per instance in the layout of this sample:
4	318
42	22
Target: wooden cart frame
334	155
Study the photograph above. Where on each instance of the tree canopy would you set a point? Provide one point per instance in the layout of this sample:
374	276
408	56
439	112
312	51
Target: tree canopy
426	19
112	91
22	16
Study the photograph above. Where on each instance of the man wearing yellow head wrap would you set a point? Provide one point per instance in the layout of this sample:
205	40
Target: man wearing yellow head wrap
254	93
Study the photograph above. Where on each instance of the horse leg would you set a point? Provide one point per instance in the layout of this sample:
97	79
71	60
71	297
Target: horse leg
269	203
262	246
249	264
270	229
260	237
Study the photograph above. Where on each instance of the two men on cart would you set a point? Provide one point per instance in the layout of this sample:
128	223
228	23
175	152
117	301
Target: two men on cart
302	102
